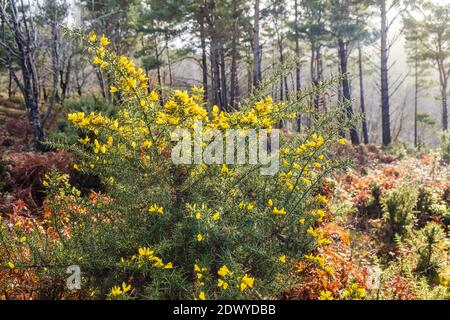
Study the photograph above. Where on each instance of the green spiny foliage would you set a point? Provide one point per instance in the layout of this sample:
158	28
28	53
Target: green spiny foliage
429	245
398	209
445	146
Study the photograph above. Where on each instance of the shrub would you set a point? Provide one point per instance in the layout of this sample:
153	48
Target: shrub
445	279
65	131
199	231
418	271
397	149
398	209
430	201
399	281
397	284
445	146
429	245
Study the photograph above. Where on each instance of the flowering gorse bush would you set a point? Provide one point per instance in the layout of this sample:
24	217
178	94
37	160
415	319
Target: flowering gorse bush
204	231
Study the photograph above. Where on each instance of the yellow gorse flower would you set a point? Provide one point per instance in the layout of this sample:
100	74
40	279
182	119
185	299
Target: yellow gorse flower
118	291
126	288
222	284
246	282
198	269
223	271
279	211
92	37
321	198
153	96
154	208
145	252
312	232
354	292
146	255
104	40
85	140
147	144
326	295
224	168
320	261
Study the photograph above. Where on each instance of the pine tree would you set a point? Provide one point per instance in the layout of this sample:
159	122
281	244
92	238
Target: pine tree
433	36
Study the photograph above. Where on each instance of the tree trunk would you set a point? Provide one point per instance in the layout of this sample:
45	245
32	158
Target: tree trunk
280	52
346	95
362	98
234	58
443	80
223	79
444	107
55	71
65	79
297	50
8	59
249	78
10	80
79	83
385	109
283	80
297	64
204	62
158	73
169	62
101	81
256	47
215	55
215	73
212	66
316	71
416	97
286	88
23	47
